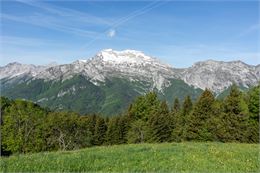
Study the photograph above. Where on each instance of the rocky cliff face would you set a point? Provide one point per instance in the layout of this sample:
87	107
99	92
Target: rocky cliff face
218	75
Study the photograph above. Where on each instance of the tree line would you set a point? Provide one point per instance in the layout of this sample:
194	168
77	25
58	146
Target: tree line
26	127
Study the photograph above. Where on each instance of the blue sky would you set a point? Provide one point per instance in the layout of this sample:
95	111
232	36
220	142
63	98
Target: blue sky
176	32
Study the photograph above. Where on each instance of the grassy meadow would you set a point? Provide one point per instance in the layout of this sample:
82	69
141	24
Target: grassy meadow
166	157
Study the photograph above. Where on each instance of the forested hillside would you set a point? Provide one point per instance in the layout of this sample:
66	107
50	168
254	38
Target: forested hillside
80	95
26	127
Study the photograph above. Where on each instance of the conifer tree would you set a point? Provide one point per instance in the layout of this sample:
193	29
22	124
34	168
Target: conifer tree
187	106
124	126
138	114
113	132
198	122
179	120
253	106
92	123
100	131
253	102
176	106
160	124
143	106
235	116
137	132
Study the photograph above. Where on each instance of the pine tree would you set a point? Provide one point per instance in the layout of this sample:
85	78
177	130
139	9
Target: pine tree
138	114
253	106
253	102
113	131
179	120
187	106
198	122
216	122
92	123
124	126
235	116
137	132
100	131
176	106
160	124
82	133
143	106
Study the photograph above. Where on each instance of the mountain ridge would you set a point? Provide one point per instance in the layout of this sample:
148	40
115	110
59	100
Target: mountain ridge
135	64
109	81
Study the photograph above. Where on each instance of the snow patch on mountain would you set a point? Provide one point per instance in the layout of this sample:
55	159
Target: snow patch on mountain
126	56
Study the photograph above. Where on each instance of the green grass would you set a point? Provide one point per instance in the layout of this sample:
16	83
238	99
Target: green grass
167	157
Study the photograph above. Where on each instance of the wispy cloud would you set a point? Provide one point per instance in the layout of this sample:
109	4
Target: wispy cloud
28	42
50	22
250	29
75	22
111	33
60	19
121	21
83	17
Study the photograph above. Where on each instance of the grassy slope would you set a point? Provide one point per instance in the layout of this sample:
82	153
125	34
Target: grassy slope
168	157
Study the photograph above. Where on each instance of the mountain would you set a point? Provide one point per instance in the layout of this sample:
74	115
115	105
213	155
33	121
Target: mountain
110	80
219	75
130	64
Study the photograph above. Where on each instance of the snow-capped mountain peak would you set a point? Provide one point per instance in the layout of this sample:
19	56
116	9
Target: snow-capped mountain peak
125	56
131	64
